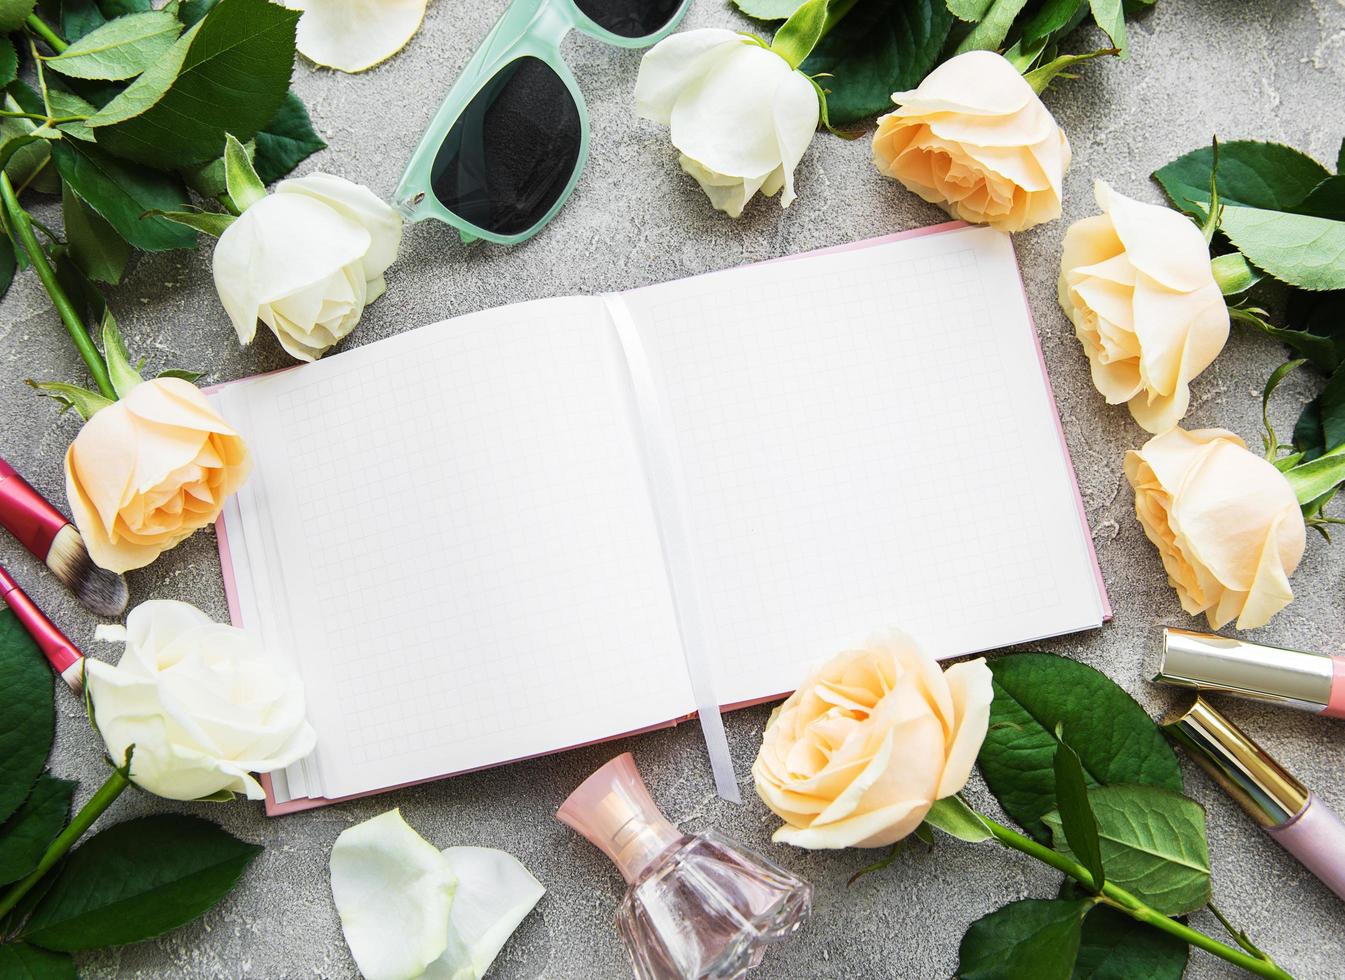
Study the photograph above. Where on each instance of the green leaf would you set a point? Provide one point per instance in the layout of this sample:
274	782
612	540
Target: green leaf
136	880
970	11
1318	477
227	73
1153	845
1323	352
1043	75
121	193
990	32
25	835
210	222
1298	249
9	61
1074	813
241	182
1251	174
27	715
1233	273
13	13
65	104
124	376
1109	15
184	375
1271	441
1050	17
1036	938
192	11
768	9
1309	437
121	48
797	37
1340	158
879	47
94	244
1116	947
20	961
285	141
83	401
1114	738
952	815
9	263
1326	200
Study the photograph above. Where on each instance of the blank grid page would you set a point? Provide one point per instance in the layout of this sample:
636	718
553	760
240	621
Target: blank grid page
467	555
868	441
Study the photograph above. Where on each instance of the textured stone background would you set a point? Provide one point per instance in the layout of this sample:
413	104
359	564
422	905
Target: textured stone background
1265	70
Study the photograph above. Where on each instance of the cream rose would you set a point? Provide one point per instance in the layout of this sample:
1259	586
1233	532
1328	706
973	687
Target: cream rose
740	115
1226	523
975	139
1136	282
148	470
858	754
202	703
306	260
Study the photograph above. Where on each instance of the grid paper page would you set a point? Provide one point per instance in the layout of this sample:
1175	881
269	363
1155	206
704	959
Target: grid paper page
466	551
868	442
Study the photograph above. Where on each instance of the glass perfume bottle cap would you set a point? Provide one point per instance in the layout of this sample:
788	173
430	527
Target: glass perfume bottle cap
614	810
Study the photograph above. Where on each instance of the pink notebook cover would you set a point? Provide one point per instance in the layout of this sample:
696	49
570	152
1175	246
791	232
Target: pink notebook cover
274	808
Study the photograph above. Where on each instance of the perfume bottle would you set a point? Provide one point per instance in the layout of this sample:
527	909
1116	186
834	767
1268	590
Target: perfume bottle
697	905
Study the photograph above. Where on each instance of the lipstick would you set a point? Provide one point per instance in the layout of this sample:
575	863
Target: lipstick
63	655
1294	678
1284	808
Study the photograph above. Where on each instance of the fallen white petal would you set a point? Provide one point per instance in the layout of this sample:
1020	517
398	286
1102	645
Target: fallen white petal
352	35
393	891
495	893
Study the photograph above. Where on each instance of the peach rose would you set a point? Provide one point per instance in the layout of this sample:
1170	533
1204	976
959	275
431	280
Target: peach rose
1226	523
975	139
858	754
148	470
1136	282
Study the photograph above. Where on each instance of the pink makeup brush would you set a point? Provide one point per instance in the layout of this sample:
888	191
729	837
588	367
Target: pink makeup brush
63	655
44	531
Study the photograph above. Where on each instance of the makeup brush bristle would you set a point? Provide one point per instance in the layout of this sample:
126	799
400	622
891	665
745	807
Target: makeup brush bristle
100	591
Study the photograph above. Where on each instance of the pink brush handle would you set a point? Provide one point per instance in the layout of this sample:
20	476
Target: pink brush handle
63	655
26	514
1317	838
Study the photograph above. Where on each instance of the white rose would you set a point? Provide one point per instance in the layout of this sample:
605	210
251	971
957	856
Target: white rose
741	117
202	703
305	261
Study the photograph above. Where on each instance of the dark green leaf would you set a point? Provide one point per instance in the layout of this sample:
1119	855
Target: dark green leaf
1309	436
185	375
121	48
94	244
1033	938
1251	174
121	193
1321	313
9	61
1051	16
990	32
1301	250
1340	158
879	47
25	835
9	264
1075	815
193	10
1326	200
285	141
1323	352
13	13
795	39
1116	947
26	713
1114	738
1153	845
136	880
210	222
1109	15
79	17
969	11
952	815
228	73
83	401
19	961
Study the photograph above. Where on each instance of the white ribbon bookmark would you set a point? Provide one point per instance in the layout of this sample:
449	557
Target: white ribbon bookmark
663	472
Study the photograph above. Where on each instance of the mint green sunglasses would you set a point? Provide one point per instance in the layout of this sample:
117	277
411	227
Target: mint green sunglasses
507	146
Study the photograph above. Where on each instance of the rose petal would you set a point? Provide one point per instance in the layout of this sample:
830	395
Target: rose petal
670	66
495	893
393	892
359	205
354	35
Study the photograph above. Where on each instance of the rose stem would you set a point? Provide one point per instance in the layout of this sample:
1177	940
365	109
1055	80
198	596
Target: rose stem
84	819
22	226
1121	899
40	27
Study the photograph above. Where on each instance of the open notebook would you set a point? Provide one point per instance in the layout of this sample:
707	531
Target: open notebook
562	521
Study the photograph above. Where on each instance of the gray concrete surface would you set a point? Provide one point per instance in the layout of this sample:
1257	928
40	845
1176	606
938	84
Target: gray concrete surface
1266	70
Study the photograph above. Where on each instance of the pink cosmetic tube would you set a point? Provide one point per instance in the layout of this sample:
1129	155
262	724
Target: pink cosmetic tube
1219	664
1297	820
64	657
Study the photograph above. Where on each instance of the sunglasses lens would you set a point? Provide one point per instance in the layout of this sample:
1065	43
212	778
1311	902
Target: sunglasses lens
630	18
507	159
